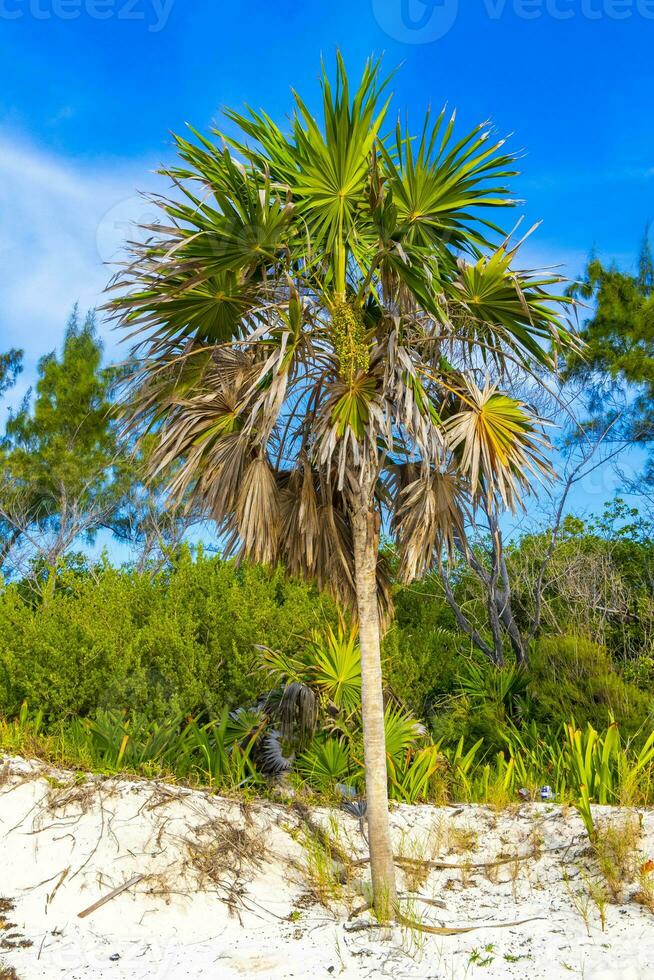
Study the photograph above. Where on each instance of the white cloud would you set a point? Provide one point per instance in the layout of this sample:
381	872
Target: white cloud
60	224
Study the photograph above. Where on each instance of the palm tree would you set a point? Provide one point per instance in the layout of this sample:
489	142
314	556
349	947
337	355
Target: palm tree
322	323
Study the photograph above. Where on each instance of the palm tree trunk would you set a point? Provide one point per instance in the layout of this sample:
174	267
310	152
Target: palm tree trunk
365	542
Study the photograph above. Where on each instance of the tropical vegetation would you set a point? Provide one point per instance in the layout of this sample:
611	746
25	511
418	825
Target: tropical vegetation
331	333
340	389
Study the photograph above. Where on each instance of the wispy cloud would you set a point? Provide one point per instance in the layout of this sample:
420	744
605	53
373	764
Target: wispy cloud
61	223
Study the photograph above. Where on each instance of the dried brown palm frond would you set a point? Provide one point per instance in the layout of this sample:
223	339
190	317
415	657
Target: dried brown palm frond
316	537
300	524
297	711
271	757
214	477
257	511
428	516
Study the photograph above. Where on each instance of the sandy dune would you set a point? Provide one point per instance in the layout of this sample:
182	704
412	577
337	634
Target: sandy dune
226	889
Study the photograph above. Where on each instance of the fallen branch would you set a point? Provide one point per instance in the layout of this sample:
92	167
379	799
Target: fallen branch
434	930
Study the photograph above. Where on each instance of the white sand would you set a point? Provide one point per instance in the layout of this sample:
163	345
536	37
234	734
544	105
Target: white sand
66	843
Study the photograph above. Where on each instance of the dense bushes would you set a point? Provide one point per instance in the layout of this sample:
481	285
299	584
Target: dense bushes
422	650
183	640
572	676
308	733
111	669
569	677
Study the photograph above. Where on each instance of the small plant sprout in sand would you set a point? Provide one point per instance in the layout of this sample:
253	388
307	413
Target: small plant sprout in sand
615	864
600	898
615	851
515	867
327	866
461	840
580	899
482	957
414	938
418	849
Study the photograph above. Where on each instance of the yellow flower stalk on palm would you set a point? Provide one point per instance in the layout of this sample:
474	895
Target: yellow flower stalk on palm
349	339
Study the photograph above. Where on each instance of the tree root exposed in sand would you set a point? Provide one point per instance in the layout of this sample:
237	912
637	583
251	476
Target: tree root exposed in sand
447	866
458	930
413	924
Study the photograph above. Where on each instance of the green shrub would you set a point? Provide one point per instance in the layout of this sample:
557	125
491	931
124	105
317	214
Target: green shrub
217	754
570	677
421	666
422	650
584	766
181	641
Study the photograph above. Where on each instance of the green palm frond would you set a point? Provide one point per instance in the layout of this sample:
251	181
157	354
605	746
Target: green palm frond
324	168
497	443
326	763
402	733
495	309
438	181
351	409
329	664
335	666
243	726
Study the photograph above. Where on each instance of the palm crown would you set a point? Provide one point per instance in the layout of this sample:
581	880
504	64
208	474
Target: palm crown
322	308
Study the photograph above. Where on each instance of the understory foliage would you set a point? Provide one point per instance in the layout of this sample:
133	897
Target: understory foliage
225	675
180	640
184	638
582	765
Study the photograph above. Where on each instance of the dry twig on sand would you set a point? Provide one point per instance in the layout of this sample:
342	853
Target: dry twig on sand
107	898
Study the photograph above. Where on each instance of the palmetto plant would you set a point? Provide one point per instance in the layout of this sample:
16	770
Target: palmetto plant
322	321
504	689
329	664
318	711
325	763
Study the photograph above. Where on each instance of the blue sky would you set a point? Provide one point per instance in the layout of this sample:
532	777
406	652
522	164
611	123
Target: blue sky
92	88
